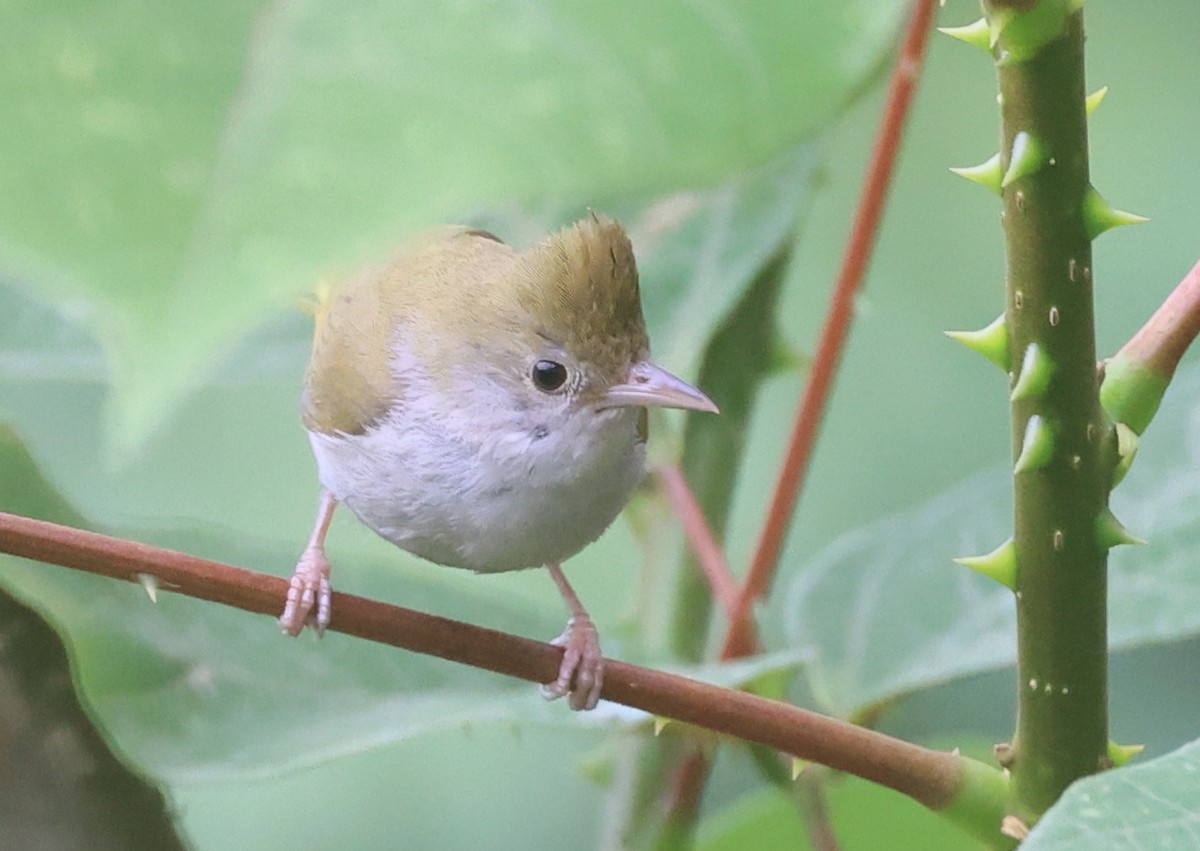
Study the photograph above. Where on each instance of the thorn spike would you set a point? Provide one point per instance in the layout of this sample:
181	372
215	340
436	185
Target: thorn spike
1000	564
1095	99
1028	155
1118	755
149	583
990	341
1034	378
798	765
660	724
976	33
1099	217
1025	31
1037	446
1110	532
1127	447
987	173
997	21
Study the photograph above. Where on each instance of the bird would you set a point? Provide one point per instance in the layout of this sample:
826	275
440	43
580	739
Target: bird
485	408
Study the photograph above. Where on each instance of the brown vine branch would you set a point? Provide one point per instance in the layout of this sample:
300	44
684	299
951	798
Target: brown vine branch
901	87
931	777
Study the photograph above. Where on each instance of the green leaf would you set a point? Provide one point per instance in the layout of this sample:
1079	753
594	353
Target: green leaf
862	815
765	819
698	253
1152	805
182	170
884	612
23	488
47	731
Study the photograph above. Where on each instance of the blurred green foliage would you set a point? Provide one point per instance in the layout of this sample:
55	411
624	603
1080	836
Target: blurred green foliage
172	178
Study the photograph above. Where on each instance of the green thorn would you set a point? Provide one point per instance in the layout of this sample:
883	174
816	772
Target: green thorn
1037	447
1127	447
1026	31
987	173
1034	378
1111	533
976	33
1028	155
660	724
997	21
1118	755
1000	564
149	583
1098	216
991	342
1095	99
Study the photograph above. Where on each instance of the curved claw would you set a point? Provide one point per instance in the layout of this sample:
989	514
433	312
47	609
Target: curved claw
309	595
581	674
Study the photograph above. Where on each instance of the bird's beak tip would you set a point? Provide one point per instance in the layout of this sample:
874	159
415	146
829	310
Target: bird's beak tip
652	386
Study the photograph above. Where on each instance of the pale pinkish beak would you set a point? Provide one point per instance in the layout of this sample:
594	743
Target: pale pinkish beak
649	386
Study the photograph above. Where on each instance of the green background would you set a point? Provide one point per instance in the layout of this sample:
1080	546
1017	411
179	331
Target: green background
198	445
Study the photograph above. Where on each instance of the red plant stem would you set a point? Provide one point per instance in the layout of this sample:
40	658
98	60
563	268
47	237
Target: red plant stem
930	777
709	555
1161	342
905	75
814	805
686	788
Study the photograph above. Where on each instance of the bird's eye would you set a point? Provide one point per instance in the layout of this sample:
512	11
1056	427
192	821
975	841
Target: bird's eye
549	375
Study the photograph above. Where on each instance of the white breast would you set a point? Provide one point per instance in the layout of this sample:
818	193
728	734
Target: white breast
466	480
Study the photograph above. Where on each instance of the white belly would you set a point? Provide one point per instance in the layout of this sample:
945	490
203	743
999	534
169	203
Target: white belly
489	499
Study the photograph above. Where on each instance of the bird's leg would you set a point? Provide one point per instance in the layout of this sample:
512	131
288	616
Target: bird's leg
310	582
581	675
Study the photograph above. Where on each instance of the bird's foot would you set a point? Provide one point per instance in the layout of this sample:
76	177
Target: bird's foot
581	675
308	596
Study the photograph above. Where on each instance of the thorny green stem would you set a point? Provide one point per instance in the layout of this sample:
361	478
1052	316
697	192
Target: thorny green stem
1062	726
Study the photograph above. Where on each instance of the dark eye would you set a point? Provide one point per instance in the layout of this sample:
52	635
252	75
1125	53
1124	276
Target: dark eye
549	375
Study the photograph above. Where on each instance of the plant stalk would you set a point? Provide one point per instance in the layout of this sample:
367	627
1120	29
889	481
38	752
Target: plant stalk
1061	486
934	778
